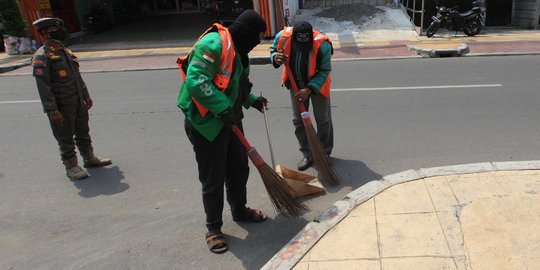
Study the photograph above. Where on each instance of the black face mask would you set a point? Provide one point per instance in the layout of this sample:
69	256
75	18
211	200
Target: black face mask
59	34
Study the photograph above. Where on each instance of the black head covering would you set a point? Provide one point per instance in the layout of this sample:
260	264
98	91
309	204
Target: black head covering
246	30
302	36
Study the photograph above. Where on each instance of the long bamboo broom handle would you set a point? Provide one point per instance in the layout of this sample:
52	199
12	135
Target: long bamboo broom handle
303	112
268	135
251	151
294	86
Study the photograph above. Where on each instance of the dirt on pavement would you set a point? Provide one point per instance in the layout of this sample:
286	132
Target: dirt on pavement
357	13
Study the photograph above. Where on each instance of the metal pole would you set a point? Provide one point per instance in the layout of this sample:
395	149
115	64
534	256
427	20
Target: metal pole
422	18
272	17
414	11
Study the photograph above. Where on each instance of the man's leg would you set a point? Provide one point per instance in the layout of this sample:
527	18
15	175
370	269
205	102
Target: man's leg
323	117
82	133
211	160
64	137
237	175
84	142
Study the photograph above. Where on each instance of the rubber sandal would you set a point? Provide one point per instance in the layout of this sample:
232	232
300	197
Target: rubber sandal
216	242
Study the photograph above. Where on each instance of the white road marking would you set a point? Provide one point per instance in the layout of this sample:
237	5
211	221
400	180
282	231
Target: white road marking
349	89
416	87
19	101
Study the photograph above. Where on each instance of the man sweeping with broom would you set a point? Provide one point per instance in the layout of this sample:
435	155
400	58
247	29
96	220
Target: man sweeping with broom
215	88
308	54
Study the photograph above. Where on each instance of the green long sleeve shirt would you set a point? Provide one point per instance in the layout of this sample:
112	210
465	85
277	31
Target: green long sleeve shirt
199	85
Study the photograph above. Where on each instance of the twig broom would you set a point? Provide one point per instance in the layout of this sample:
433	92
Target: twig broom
317	151
281	196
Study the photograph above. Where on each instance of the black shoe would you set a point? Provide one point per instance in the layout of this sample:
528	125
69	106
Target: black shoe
304	163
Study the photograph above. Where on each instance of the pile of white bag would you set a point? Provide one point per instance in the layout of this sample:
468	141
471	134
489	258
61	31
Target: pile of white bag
19	45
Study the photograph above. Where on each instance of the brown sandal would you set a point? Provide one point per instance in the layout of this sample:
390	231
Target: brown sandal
252	215
216	242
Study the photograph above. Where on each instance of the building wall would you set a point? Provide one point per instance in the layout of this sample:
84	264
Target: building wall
526	13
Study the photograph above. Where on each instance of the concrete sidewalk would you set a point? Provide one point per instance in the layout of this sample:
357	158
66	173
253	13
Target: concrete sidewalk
475	216
490	42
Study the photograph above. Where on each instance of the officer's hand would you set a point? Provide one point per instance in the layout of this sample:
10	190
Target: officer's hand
89	103
228	117
260	103
280	58
302	95
57	118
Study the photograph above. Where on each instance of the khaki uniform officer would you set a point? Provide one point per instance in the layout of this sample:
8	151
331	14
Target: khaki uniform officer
65	98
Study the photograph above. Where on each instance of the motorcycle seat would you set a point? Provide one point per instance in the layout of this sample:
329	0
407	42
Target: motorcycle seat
467	14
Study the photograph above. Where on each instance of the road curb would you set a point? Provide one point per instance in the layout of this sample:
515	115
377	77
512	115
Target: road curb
18	64
266	60
259	60
288	256
440	50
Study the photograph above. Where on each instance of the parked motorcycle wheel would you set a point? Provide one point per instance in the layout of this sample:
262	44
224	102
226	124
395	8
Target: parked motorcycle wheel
432	29
472	27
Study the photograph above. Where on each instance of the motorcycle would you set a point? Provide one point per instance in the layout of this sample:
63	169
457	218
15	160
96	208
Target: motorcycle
469	22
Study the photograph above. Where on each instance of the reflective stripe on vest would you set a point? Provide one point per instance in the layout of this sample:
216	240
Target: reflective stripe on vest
284	46
222	78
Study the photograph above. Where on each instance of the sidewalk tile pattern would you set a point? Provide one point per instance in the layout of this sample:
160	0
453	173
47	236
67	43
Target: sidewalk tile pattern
484	220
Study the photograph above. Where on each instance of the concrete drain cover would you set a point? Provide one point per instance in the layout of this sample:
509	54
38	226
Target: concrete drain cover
437	50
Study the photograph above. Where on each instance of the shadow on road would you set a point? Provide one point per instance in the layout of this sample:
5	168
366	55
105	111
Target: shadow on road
263	240
351	173
102	181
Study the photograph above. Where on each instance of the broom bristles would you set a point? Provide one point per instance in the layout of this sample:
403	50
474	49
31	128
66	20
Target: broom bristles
320	157
281	196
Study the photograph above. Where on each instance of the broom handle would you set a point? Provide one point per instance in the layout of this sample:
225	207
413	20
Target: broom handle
294	86
251	151
303	112
268	136
241	137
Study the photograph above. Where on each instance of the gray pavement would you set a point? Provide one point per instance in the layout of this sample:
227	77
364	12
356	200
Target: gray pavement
451	223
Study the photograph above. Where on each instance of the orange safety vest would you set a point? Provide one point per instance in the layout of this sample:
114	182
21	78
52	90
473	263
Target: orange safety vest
222	78
284	46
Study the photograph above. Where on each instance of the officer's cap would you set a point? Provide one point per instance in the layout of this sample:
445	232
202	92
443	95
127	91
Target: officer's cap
44	23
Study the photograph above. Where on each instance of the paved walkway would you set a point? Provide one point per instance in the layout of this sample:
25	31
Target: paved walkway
475	216
491	42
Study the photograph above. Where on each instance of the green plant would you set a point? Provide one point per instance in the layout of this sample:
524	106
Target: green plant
10	18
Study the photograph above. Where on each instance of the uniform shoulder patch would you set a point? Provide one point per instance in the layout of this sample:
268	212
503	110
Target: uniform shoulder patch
39	71
209	57
38	63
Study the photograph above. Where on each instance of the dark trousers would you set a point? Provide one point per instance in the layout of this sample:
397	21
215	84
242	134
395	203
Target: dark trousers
323	117
74	132
222	162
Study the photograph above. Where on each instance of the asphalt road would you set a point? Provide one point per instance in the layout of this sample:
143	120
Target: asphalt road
145	211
